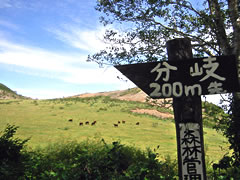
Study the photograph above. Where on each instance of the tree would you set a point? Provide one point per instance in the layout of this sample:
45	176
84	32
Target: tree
140	29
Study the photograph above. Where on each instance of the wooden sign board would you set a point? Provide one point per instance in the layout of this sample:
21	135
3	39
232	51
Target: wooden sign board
191	77
191	151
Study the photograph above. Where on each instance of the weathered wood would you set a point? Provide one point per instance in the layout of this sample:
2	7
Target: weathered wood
188	116
189	77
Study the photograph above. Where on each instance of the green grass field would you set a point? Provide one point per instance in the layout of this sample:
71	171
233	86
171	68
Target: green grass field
47	121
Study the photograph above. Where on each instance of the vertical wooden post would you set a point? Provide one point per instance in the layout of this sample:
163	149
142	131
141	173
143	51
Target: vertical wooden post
188	120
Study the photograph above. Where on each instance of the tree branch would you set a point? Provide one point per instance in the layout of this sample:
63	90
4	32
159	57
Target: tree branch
219	27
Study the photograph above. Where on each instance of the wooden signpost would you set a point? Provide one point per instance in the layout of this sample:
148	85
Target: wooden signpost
186	79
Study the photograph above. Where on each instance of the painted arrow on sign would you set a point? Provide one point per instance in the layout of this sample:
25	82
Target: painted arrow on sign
191	77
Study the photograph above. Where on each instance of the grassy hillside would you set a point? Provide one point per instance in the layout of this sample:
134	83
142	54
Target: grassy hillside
5	88
47	121
7	93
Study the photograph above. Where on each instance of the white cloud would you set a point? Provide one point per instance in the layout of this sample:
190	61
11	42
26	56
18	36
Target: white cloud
88	40
216	99
99	76
43	93
8	24
32	57
13	4
5	4
65	67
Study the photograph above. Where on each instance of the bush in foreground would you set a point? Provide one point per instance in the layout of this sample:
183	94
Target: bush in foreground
97	160
91	160
86	160
11	156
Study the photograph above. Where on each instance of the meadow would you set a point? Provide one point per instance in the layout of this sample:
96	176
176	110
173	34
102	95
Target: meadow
47	121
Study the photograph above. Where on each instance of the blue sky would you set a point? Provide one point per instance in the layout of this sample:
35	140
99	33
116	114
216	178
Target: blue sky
44	46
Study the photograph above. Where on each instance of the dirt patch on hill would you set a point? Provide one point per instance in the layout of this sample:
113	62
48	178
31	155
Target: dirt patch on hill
153	112
111	93
141	96
127	95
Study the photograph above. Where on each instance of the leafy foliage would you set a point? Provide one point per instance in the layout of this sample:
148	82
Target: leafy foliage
225	169
214	117
228	123
11	165
232	131
91	160
97	160
144	26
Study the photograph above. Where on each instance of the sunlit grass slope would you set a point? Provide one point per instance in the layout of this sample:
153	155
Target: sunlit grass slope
47	121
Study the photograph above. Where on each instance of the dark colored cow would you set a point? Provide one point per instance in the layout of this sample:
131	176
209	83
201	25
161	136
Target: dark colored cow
93	123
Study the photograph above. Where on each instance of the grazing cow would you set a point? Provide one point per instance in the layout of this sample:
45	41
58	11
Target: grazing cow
115	125
81	124
119	122
137	123
87	122
123	122
70	120
93	123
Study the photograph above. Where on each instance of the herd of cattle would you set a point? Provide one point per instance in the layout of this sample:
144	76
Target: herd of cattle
94	123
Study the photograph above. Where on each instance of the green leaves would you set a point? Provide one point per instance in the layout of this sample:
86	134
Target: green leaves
96	160
144	26
11	156
92	160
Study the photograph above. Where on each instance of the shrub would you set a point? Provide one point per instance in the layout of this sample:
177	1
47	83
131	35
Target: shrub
213	116
225	169
92	160
11	155
97	160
